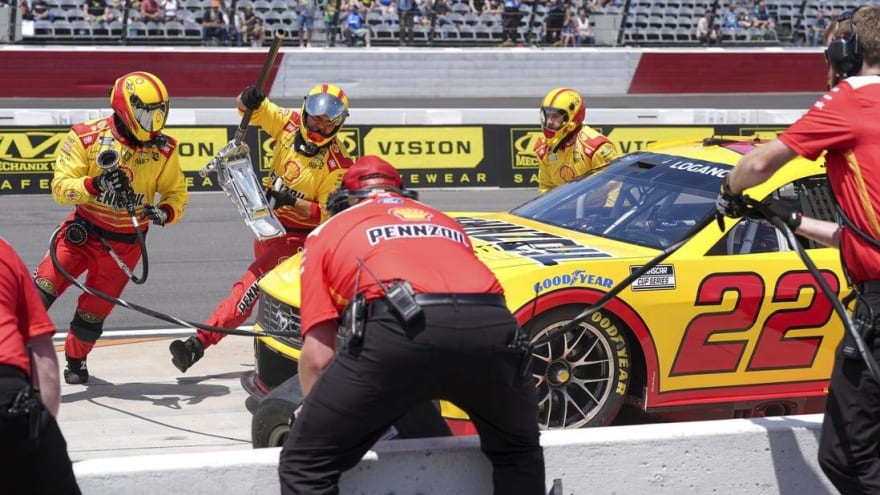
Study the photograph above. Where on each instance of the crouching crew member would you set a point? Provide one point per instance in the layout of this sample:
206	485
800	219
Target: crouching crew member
424	319
33	453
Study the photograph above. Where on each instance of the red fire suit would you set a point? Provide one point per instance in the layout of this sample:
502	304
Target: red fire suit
313	178
152	169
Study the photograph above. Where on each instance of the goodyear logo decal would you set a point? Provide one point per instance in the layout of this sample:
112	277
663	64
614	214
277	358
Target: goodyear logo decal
427	147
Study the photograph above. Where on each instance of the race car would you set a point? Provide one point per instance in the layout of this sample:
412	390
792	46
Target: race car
730	324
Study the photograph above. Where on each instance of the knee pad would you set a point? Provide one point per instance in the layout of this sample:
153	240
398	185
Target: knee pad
86	326
46	290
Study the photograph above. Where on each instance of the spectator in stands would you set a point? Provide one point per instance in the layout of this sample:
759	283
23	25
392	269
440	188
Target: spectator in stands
569	31
354	26
478	6
556	18
97	11
761	17
439	13
214	24
730	19
252	26
817	29
387	7
305	21
169	8
407	10
510	18
41	11
584	34
151	11
24	11
707	33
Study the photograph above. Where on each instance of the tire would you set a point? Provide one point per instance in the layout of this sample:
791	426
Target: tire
582	375
271	422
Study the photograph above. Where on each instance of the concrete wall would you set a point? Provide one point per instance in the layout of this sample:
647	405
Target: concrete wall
758	456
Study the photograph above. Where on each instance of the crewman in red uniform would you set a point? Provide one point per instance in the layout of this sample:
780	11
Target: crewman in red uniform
309	159
845	124
568	149
33	453
424	318
142	163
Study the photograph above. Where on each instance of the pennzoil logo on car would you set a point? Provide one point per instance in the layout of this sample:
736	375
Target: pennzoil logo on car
661	277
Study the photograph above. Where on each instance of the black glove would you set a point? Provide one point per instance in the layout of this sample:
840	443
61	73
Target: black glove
284	197
114	180
786	212
729	204
252	97
156	215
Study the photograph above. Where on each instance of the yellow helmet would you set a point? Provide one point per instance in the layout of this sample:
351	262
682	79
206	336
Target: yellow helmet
141	102
570	104
323	99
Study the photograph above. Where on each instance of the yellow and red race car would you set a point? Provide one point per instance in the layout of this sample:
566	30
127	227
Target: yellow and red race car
731	324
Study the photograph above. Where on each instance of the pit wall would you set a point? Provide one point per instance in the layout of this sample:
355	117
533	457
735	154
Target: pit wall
768	456
51	72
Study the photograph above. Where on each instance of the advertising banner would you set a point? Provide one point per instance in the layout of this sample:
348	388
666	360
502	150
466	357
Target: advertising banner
427	156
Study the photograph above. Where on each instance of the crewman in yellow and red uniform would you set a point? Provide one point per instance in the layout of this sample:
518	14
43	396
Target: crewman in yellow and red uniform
309	160
568	149
141	162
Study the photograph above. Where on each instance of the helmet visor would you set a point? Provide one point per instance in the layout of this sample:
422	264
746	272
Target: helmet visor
326	104
553	118
150	116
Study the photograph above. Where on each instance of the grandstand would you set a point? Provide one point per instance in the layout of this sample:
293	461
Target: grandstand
630	23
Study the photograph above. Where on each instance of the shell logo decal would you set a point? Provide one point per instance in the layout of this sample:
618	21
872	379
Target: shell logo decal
410	214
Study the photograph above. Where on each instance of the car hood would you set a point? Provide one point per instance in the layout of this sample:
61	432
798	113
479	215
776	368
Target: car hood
503	240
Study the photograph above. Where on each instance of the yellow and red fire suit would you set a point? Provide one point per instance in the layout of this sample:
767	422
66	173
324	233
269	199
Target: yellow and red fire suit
312	178
578	154
152	168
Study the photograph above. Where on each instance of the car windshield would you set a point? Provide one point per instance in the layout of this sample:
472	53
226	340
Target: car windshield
649	199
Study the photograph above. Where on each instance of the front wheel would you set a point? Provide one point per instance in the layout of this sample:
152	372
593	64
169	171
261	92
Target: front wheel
271	422
582	375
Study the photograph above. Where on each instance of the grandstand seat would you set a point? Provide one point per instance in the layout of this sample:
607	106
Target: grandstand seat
279	6
57	13
192	30
174	29
482	33
374	18
460	8
490	19
137	29
668	35
390	18
75	15
384	32
155	30
446	33
114	29
262	6
43	29
83	29
70	4
62	29
466	33
684	34
471	19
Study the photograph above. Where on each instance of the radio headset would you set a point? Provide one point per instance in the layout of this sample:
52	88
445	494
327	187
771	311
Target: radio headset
844	54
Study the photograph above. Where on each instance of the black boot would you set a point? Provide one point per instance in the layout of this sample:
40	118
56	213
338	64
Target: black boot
185	353
76	372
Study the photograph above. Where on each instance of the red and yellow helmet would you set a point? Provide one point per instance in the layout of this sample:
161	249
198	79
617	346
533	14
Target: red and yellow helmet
570	104
141	102
327	100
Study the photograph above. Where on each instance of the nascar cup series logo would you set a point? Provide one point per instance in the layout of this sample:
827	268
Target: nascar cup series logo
523	143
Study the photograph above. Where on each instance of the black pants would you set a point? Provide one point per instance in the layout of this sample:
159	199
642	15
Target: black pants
510	24
849	448
30	467
457	353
